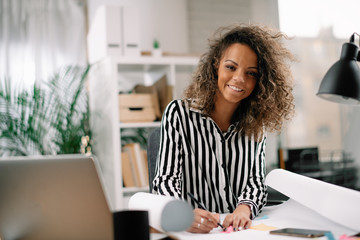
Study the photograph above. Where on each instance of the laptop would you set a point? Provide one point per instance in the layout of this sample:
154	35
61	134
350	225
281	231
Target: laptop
53	197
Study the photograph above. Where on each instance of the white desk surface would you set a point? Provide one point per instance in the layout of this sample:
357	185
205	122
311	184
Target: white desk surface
288	214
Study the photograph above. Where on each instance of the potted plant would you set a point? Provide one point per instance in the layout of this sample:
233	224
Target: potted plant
51	118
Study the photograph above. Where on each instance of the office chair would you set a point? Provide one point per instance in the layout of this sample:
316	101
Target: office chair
153	144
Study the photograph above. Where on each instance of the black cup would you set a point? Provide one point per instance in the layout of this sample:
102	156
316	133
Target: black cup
131	224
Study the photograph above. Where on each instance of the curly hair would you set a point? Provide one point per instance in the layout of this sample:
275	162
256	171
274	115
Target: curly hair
271	102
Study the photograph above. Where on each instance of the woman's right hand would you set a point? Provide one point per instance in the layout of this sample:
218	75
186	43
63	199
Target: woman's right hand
204	221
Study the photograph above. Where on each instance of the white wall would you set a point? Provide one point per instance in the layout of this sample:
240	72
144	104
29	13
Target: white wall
265	12
164	20
206	16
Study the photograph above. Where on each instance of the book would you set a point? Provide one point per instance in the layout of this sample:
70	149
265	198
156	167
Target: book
139	169
145	160
141	166
134	169
127	171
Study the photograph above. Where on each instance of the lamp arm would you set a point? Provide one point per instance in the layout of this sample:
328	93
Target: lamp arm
352	40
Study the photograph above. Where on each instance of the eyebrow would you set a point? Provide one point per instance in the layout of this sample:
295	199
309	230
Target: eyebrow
229	60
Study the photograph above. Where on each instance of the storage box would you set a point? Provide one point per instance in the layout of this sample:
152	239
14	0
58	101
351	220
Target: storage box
137	107
114	31
163	92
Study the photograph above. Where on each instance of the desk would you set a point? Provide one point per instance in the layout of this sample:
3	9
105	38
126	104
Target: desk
312	204
288	214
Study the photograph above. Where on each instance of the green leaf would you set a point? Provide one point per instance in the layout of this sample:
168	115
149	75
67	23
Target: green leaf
48	119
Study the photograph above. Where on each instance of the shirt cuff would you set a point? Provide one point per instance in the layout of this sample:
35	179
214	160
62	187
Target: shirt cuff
253	207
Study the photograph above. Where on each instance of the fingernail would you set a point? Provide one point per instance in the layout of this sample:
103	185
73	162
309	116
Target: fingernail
240	228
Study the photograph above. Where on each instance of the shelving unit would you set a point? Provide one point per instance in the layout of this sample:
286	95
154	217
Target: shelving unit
106	79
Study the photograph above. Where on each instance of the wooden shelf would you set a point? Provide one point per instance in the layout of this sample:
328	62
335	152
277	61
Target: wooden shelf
106	79
139	124
149	60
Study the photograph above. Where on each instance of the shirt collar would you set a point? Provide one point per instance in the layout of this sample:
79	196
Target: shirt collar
193	108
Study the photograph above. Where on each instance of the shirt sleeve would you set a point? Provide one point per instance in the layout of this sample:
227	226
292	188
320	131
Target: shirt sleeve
255	193
168	176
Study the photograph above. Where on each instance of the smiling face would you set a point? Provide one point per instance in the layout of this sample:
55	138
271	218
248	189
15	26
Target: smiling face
237	75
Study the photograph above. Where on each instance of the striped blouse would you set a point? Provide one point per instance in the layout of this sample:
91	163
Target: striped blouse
222	170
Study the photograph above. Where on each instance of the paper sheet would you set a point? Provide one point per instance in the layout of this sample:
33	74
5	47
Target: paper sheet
262	227
166	214
297	212
336	203
288	214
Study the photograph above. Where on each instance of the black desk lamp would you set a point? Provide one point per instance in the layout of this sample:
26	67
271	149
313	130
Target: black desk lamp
341	83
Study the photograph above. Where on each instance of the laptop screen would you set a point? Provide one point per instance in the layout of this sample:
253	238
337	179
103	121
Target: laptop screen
53	197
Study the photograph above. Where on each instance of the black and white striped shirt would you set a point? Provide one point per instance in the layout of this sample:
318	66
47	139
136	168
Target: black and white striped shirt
220	169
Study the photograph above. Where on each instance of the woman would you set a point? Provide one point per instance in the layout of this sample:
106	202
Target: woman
213	140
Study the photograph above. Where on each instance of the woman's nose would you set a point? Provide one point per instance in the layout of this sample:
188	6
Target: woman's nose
238	76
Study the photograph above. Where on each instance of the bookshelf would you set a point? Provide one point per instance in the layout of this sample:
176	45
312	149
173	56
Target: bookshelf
107	78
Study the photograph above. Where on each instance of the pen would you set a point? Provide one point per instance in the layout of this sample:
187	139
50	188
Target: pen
203	207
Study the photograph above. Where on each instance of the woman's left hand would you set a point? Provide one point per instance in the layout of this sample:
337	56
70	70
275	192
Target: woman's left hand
239	219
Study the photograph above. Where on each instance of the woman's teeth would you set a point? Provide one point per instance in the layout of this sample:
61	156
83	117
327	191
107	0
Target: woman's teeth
235	88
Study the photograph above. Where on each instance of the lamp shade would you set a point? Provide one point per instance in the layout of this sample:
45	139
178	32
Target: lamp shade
341	83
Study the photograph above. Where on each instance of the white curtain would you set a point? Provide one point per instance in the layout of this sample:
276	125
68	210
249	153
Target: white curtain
37	37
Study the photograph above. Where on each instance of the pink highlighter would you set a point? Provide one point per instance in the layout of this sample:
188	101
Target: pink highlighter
229	229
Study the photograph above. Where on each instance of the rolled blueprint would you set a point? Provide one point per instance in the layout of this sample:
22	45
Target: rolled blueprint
338	204
166	214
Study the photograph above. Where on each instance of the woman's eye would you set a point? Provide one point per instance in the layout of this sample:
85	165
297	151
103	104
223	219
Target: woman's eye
254	74
230	67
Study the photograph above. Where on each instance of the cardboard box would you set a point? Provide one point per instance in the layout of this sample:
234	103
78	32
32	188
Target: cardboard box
163	94
137	107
